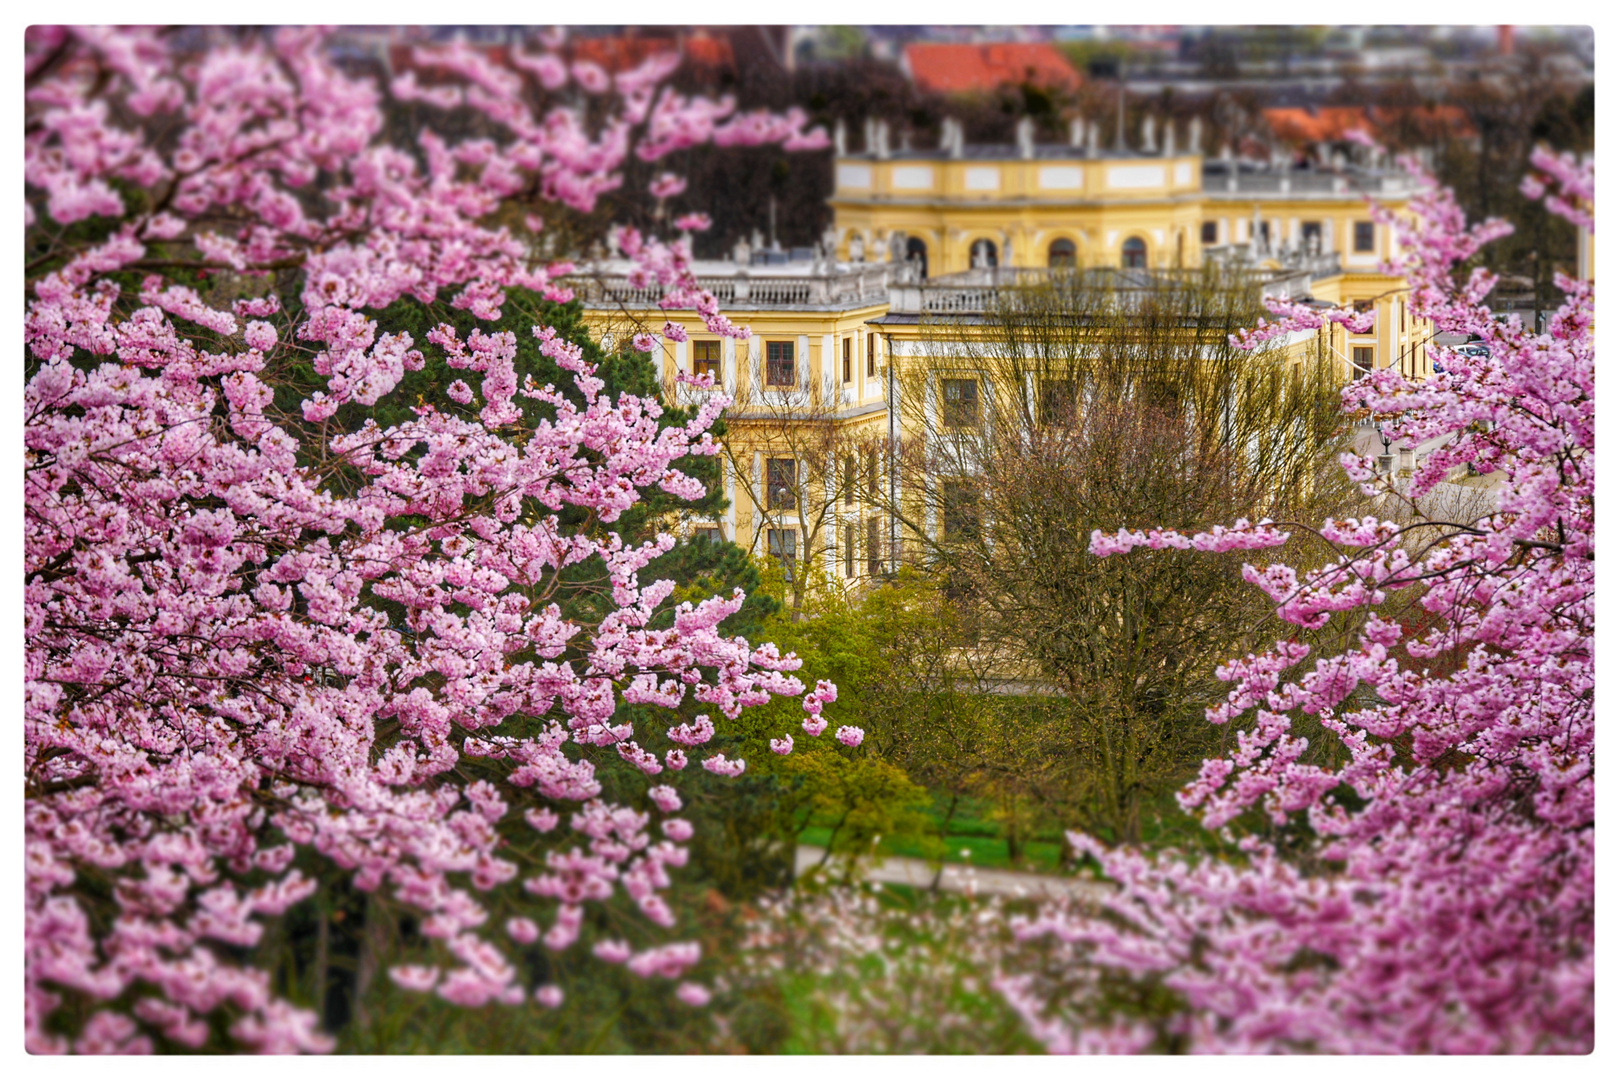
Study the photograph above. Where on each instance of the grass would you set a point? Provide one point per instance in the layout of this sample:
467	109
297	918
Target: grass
973	838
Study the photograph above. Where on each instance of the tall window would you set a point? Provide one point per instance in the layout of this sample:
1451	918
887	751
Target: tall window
848	358
1135	253
916	248
851	479
705	359
960	403
871	475
1211	232
848	550
1365	237
707	536
779	364
1059	402
1362	355
874	546
1062	255
983	253
959	502
871	356
781	477
784	546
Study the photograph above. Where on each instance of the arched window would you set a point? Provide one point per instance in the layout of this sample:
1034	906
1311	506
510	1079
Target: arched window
1061	253
983	254
916	248
1135	253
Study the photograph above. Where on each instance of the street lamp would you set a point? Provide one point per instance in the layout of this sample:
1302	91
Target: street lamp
1385	462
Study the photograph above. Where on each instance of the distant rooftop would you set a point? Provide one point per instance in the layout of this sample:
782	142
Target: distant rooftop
1005	152
950	68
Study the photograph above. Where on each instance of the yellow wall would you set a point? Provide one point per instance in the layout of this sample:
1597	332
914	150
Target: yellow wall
856	408
1022	206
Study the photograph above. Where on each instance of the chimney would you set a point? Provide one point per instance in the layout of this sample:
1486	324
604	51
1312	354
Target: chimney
1025	138
1503	40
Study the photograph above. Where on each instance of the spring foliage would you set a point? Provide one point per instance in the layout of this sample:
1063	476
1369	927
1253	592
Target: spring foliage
1439	893
257	634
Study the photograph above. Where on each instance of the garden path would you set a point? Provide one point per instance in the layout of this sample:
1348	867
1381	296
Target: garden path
955	877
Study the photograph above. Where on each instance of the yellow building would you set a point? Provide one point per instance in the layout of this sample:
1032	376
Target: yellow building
810	402
920	235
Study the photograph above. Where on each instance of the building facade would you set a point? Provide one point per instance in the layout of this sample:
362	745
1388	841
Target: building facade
921	242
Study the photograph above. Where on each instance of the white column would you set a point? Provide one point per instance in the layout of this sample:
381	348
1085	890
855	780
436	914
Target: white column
829	371
758	499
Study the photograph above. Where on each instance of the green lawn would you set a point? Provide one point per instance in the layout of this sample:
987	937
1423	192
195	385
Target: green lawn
973	838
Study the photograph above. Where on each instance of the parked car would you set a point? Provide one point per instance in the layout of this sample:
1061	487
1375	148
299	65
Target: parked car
1472	348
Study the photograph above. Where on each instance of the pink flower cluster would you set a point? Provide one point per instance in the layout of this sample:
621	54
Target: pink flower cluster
1448	900
250	633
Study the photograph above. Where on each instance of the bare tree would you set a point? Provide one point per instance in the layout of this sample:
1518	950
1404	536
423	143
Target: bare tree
805	467
1100	400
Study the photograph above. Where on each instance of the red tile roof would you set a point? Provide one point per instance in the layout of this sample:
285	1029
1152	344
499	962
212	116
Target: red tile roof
1330	123
615	54
948	68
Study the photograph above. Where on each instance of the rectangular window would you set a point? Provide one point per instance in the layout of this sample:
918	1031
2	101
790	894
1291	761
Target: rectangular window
848	359
1363	358
874	549
959	499
781	477
1211	232
707	536
851	479
871	356
1059	402
784	546
705	359
779	364
848	550
1365	237
960	403
871	475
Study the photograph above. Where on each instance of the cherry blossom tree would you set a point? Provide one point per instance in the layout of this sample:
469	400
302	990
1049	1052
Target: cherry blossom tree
1430	887
258	635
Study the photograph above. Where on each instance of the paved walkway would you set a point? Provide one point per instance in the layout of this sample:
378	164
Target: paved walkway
955	877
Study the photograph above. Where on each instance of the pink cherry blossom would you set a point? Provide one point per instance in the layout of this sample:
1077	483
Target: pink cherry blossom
692	994
1446	898
667	186
850	736
720	766
235	659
